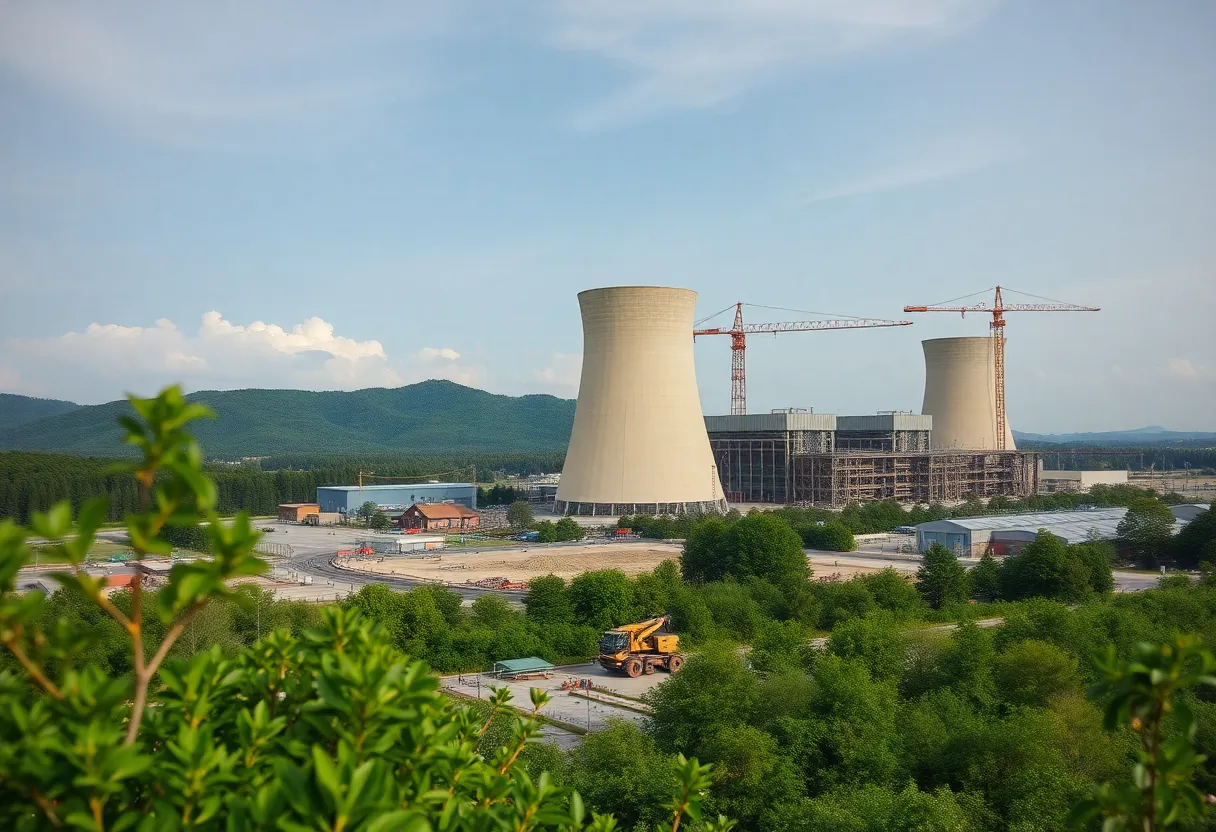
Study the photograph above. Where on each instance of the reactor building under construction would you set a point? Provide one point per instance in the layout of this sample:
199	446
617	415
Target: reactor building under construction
947	453
638	445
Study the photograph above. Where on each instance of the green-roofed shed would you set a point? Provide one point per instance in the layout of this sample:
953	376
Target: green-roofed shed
522	667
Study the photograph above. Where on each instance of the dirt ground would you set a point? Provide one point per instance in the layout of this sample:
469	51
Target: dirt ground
525	564
632	558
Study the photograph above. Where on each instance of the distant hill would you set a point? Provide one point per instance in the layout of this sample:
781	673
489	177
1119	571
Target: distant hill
427	418
1153	435
16	410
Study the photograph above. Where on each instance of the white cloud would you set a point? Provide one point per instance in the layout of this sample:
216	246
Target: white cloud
560	375
191	73
430	353
939	164
105	360
1184	368
700	53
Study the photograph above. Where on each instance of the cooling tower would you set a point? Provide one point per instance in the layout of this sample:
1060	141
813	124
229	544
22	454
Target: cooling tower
960	394
639	444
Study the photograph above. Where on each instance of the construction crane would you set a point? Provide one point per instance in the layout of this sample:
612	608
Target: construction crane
998	310
739	331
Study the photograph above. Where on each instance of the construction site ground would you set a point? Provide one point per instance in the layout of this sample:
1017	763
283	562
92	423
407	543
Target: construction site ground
522	564
574	708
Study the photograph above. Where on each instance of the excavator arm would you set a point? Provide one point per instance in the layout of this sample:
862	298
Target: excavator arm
644	629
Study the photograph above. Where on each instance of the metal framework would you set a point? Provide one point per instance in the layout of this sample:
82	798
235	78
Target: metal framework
738	344
839	479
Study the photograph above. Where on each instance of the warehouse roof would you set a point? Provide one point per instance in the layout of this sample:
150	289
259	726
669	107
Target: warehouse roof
394	487
443	511
1073	526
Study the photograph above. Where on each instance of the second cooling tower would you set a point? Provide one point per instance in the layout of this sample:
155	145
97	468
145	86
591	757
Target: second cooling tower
639	444
960	394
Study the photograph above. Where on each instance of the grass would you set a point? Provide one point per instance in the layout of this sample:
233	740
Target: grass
454	540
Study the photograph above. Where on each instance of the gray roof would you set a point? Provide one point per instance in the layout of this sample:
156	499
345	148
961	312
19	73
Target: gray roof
394	487
530	664
1072	526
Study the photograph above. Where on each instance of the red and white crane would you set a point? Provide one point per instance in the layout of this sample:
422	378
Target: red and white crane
739	331
998	310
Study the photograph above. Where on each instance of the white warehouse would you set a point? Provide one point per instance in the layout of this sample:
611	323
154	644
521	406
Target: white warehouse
1005	534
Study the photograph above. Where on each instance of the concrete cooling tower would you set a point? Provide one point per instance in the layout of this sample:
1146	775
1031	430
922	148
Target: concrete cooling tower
960	394
639	444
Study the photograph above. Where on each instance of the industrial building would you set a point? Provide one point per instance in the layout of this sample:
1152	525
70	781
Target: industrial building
296	512
800	457
1051	482
1006	534
346	499
638	445
960	394
445	516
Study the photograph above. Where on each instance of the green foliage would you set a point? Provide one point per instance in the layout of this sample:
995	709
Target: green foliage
760	545
16	410
1046	568
984	579
1147	530
519	514
548	602
1196	542
941	579
380	522
1031	672
331	728
1142	693
602	599
832	536
874	641
568	529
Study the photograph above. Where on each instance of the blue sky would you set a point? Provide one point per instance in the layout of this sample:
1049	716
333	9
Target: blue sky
307	194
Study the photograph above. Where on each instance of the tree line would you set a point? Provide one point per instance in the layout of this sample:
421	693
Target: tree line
32	482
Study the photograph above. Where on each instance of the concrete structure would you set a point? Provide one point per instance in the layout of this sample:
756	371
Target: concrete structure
430	516
1007	533
1077	481
296	512
638	445
346	499
811	458
418	543
960	394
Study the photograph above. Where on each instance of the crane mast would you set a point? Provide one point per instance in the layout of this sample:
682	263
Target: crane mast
739	331
997	328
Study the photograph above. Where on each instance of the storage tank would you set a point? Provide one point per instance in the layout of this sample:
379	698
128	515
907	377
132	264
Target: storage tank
960	394
639	444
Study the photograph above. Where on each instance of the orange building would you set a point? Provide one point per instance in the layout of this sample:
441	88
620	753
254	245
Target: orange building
431	516
296	512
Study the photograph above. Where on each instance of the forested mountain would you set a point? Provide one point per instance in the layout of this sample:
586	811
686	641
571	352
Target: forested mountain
16	410
432	417
1154	435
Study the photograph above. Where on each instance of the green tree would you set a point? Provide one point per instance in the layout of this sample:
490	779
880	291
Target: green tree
1046	569
602	599
1196	541
519	515
1031	672
568	529
368	510
941	579
983	579
548	602
714	690
546	532
1147	531
701	558
619	770
379	521
875	641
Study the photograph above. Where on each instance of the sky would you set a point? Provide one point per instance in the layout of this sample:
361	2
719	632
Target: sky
288	193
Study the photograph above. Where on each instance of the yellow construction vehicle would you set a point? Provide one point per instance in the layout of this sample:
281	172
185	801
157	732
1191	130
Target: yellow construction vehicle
639	648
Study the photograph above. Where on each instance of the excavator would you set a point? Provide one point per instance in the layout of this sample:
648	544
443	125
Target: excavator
634	649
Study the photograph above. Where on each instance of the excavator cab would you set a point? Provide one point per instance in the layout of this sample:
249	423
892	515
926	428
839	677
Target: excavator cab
634	649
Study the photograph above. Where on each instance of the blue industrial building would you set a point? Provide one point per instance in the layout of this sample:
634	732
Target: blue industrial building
346	499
